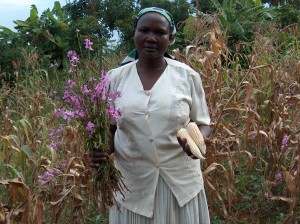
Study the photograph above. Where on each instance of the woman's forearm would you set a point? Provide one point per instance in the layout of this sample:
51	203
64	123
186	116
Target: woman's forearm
205	130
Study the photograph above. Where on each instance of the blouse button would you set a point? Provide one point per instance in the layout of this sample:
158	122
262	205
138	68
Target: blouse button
151	139
147	93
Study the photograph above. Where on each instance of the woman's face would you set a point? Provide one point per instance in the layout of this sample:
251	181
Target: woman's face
152	36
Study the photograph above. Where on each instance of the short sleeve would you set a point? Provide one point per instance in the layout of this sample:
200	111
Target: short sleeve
199	109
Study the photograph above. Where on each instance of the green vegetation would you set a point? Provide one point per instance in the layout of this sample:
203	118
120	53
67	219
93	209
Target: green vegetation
252	85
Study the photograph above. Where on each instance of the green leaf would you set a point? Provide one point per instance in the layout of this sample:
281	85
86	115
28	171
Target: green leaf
27	150
14	172
33	16
22	23
37	30
223	20
15	139
237	29
248	11
52	18
6	30
25	125
23	160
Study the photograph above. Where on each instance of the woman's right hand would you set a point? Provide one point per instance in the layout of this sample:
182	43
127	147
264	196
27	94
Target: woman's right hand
96	158
99	157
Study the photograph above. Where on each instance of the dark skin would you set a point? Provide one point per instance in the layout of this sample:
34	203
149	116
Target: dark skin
152	37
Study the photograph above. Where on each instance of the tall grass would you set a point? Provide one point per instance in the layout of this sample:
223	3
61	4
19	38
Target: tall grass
252	171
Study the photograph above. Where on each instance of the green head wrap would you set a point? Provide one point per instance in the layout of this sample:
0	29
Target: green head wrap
161	11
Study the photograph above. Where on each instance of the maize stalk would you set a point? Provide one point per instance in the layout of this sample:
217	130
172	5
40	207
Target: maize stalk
196	135
183	133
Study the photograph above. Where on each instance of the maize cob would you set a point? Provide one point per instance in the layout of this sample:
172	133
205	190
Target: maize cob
196	135
183	133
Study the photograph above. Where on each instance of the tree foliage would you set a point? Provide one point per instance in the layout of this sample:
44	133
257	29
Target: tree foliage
58	30
180	9
279	3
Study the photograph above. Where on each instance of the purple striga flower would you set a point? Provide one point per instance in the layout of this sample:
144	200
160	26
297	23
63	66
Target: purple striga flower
279	176
90	127
68	115
48	175
284	141
74	61
56	133
63	164
52	93
71	54
55	171
100	88
88	44
114	96
113	113
80	113
77	30
73	57
45	177
58	112
70	83
73	101
94	98
85	90
53	145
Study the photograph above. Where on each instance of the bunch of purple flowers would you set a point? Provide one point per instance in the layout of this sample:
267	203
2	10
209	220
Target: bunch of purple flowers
88	102
87	106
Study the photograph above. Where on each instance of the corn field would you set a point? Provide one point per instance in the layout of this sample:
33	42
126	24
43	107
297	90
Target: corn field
252	166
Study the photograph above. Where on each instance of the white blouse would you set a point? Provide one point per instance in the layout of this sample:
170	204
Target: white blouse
145	140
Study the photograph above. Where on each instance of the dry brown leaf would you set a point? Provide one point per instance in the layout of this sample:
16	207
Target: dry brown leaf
74	172
216	194
78	199
4	182
281	198
66	192
290	182
38	213
212	167
249	93
2	215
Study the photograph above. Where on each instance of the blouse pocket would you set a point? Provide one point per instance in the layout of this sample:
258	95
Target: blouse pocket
183	113
194	165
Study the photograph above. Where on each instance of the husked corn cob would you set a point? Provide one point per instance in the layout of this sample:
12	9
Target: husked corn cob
183	133
196	135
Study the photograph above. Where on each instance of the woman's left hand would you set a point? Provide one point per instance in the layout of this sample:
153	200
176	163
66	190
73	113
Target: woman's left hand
186	148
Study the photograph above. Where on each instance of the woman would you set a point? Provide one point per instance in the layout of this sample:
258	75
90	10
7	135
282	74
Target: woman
159	96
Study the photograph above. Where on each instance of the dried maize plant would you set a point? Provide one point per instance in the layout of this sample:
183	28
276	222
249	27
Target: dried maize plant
254	111
31	62
278	104
39	180
20	142
205	56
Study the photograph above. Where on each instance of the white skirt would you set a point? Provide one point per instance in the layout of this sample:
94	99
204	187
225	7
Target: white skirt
166	210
